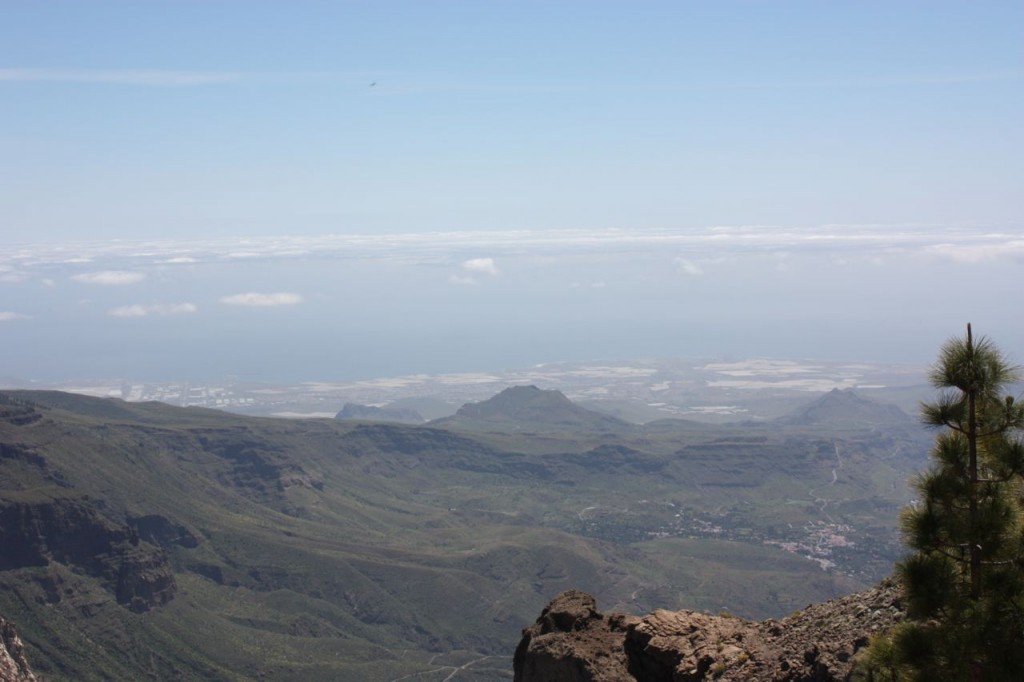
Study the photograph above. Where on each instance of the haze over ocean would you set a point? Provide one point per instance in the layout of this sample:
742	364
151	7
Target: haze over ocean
284	191
334	307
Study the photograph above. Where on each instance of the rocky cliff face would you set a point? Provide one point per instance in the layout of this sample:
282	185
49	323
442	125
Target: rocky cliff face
13	666
70	532
573	642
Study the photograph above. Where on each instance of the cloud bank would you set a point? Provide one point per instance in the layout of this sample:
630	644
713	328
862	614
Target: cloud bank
257	300
974	243
689	251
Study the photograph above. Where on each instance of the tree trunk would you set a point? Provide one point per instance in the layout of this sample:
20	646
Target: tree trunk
972	465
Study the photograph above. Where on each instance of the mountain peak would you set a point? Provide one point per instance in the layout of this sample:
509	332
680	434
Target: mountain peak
532	408
847	407
516	398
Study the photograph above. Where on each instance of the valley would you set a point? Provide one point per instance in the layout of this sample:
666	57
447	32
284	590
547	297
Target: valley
235	547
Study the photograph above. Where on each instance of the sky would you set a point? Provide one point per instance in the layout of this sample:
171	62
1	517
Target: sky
318	190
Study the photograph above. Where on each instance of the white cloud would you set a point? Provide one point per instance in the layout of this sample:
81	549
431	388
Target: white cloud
484	266
688	266
7	316
978	253
258	300
110	277
143	310
177	260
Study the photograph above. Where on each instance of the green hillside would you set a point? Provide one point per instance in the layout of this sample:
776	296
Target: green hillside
143	541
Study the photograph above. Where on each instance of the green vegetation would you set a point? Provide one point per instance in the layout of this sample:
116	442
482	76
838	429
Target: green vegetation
965	580
327	550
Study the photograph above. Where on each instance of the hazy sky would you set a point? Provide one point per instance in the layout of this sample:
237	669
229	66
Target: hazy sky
325	189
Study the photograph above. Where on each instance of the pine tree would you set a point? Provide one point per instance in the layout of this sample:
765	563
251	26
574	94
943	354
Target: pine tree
964	580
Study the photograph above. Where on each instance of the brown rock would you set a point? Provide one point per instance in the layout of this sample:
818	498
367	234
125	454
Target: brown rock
573	642
13	666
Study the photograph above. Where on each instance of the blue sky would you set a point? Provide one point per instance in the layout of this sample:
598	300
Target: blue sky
456	126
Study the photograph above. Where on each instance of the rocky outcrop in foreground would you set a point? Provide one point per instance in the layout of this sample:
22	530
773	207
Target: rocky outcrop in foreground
13	666
573	642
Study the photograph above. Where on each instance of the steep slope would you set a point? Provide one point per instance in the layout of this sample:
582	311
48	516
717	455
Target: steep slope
270	543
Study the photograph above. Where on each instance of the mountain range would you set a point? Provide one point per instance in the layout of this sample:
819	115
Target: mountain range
144	541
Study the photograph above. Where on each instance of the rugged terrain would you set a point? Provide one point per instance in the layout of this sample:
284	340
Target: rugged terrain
13	666
573	642
140	541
